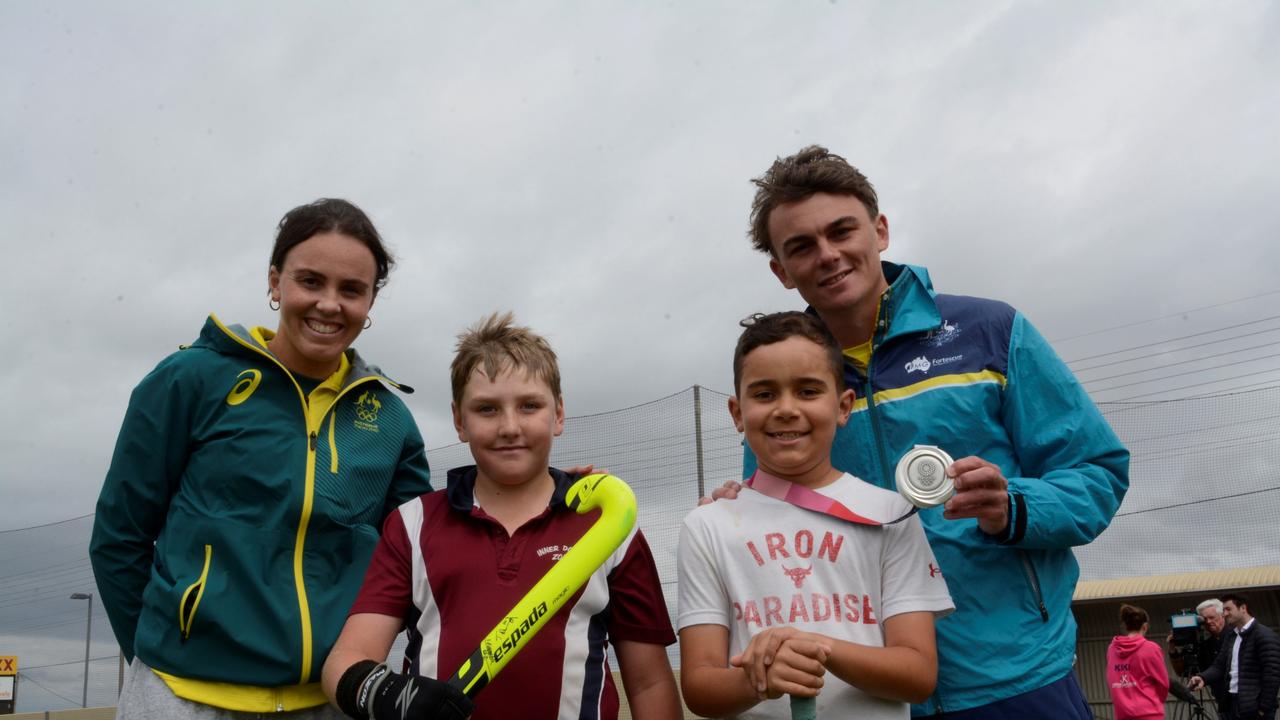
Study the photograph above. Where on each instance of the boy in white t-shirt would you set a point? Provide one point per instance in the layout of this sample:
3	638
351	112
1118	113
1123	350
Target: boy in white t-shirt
814	572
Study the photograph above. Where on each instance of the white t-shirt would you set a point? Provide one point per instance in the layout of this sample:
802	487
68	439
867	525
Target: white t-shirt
755	563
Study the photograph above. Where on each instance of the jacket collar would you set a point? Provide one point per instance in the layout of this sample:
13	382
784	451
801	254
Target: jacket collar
238	340
907	305
461	488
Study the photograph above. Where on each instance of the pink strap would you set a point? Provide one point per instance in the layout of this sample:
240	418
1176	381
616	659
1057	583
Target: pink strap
803	497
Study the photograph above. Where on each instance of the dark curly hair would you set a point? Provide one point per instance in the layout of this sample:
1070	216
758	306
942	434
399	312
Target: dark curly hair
761	329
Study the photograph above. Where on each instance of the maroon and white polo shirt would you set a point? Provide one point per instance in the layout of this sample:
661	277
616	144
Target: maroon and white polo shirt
452	573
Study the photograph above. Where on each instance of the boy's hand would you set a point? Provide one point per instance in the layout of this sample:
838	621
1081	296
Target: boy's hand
580	470
798	669
728	491
982	492
799	658
370	690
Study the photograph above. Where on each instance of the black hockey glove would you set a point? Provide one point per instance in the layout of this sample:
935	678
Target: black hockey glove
370	691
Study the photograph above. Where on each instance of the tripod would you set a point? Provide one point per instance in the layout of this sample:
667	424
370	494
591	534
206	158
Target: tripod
1192	706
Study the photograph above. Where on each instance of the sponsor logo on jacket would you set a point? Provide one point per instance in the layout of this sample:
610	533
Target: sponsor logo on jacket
367	407
923	364
943	335
246	382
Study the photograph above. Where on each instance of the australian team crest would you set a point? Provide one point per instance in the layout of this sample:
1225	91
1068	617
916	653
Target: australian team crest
943	335
367	407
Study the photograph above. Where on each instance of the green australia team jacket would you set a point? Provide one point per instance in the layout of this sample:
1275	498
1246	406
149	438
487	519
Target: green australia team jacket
239	515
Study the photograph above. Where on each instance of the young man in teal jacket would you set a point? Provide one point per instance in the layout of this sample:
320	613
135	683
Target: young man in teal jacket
1039	471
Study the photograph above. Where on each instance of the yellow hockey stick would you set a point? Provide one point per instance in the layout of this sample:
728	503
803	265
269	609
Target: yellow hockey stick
617	505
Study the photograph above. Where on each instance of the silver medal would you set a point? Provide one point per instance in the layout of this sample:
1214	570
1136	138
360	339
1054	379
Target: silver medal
922	476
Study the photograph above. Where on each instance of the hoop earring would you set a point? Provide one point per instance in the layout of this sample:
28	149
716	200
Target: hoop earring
274	304
368	322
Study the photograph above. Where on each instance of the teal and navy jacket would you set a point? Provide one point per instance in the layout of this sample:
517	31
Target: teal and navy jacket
973	377
239	514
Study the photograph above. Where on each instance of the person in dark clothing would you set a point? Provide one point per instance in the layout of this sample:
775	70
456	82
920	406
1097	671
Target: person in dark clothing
1210	612
1249	661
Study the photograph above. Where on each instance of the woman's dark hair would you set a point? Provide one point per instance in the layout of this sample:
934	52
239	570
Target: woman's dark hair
331	215
1133	617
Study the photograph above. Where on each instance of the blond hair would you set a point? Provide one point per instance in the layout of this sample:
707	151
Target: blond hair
495	344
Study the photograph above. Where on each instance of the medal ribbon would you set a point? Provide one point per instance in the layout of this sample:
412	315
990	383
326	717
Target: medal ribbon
803	497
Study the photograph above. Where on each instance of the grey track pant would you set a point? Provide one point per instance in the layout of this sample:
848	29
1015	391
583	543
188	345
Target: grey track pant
146	697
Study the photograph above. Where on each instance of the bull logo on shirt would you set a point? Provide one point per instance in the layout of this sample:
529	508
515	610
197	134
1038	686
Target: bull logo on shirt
797	574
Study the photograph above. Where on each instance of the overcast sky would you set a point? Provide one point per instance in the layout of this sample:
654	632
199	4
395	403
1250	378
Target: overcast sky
586	165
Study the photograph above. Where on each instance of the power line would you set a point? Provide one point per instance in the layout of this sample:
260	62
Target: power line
1198	502
1200	384
69	662
1165	317
48	524
29	584
1170	340
81	562
23	674
1228	392
43	626
1225	353
1190	372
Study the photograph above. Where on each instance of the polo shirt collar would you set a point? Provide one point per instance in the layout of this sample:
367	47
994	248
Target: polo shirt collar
461	488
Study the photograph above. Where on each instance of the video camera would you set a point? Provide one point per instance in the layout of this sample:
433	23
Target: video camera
1188	633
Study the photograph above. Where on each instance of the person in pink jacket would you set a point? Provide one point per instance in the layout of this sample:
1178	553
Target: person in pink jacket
1136	673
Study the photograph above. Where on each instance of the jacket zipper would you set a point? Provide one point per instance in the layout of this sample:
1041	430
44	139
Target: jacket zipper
1034	581
882	328
308	500
308	497
304	520
333	445
186	619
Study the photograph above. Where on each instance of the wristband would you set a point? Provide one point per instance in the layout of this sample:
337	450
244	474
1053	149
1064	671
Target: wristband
353	692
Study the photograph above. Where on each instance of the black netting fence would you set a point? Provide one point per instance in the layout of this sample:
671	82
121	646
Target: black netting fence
1204	489
1204	495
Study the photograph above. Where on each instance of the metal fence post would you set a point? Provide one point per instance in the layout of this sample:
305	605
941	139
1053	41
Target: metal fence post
697	431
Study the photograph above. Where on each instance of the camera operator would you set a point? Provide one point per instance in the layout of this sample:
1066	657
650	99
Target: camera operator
1205	650
1250	663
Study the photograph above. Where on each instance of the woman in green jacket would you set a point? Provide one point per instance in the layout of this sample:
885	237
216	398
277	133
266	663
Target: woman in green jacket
252	473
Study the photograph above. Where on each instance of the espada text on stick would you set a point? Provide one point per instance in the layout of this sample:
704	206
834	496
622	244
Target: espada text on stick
513	632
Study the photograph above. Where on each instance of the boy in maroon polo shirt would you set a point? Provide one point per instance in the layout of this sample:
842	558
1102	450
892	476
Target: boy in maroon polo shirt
452	563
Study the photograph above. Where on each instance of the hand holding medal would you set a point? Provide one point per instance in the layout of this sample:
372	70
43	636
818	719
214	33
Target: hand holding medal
974	488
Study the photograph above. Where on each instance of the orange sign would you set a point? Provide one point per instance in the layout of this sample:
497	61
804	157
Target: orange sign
8	664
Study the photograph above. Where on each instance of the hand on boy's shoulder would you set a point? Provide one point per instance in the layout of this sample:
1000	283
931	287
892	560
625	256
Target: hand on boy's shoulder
727	491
